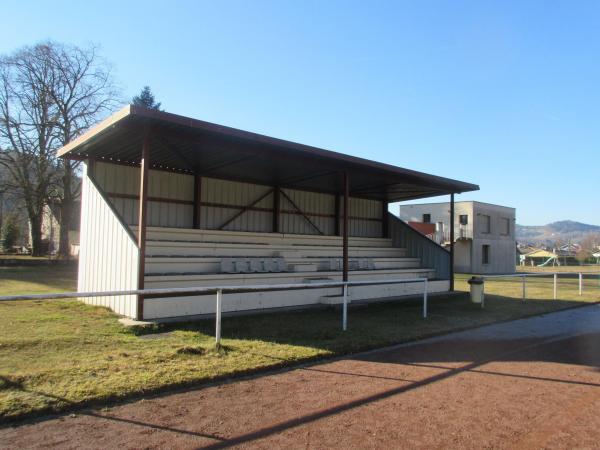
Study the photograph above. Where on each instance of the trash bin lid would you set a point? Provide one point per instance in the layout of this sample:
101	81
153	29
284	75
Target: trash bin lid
475	280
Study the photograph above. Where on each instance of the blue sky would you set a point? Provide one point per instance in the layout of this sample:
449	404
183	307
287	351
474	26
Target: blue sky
502	94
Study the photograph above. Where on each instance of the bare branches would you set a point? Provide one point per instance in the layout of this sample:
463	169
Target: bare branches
49	94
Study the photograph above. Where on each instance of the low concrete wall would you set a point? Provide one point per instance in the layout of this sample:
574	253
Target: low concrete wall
165	308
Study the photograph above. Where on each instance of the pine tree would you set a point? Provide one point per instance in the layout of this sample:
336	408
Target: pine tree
11	233
146	99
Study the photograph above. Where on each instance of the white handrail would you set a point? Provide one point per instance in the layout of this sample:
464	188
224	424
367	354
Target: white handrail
204	289
554	276
220	290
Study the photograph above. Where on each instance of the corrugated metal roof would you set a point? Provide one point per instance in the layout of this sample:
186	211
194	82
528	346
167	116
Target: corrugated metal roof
183	144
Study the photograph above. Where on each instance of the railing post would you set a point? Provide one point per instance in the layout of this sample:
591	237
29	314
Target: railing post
452	242
580	283
524	287
425	289
555	286
345	308
218	317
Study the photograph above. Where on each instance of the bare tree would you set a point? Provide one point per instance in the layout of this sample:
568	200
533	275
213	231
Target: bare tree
83	93
49	94
27	115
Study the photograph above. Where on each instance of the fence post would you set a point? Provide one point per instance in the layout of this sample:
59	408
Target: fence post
218	317
555	286
524	287
425	298
580	283
345	308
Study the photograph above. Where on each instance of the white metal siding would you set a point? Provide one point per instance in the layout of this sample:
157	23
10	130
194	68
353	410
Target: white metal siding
237	195
108	256
315	205
118	179
365	217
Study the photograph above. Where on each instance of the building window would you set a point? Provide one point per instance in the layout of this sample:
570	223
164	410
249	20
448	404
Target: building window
463	219
504	226
485	224
485	254
426	218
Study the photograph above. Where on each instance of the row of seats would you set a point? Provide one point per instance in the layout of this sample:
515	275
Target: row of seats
353	264
277	265
253	265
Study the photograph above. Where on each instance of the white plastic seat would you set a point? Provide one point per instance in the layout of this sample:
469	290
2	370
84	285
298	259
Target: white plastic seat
228	265
257	265
280	265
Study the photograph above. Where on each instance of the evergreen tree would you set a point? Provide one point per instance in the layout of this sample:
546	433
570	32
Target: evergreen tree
10	233
146	99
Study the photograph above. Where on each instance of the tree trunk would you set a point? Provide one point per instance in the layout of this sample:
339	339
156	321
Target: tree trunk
35	222
66	213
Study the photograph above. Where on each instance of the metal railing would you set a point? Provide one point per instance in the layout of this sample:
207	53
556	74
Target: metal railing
554	276
220	290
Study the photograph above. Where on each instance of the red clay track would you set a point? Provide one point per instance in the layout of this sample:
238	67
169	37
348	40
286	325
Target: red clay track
532	383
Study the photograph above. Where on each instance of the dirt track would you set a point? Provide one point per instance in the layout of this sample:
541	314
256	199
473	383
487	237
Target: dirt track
532	383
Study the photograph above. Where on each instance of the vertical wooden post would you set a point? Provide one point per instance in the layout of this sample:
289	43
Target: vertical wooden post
143	210
384	220
276	209
336	220
90	167
346	227
451	242
197	200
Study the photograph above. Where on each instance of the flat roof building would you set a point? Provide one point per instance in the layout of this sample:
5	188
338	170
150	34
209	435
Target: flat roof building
484	238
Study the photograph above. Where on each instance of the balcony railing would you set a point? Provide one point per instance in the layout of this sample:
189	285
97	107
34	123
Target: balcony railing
460	232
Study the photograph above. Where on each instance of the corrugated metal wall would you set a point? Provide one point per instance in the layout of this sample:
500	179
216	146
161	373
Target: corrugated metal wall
237	195
108	256
124	180
317	207
365	217
418	246
223	199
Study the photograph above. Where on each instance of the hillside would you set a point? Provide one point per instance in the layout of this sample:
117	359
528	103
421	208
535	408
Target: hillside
563	230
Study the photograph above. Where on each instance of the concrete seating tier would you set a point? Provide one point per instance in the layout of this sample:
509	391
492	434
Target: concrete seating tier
192	258
170	248
192	235
174	251
212	265
172	308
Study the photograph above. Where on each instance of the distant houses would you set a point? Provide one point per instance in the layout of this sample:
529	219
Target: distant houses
539	257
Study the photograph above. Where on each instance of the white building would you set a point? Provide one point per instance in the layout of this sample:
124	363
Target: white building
484	233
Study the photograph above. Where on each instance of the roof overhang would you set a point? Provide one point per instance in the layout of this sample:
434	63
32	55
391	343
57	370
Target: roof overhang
185	145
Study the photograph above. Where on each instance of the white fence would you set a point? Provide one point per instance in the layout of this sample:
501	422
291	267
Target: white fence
220	290
554	276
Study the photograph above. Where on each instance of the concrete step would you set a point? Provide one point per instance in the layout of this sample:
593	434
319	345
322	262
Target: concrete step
229	279
192	235
166	248
191	307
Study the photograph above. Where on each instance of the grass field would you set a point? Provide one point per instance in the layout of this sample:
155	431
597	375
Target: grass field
58	354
